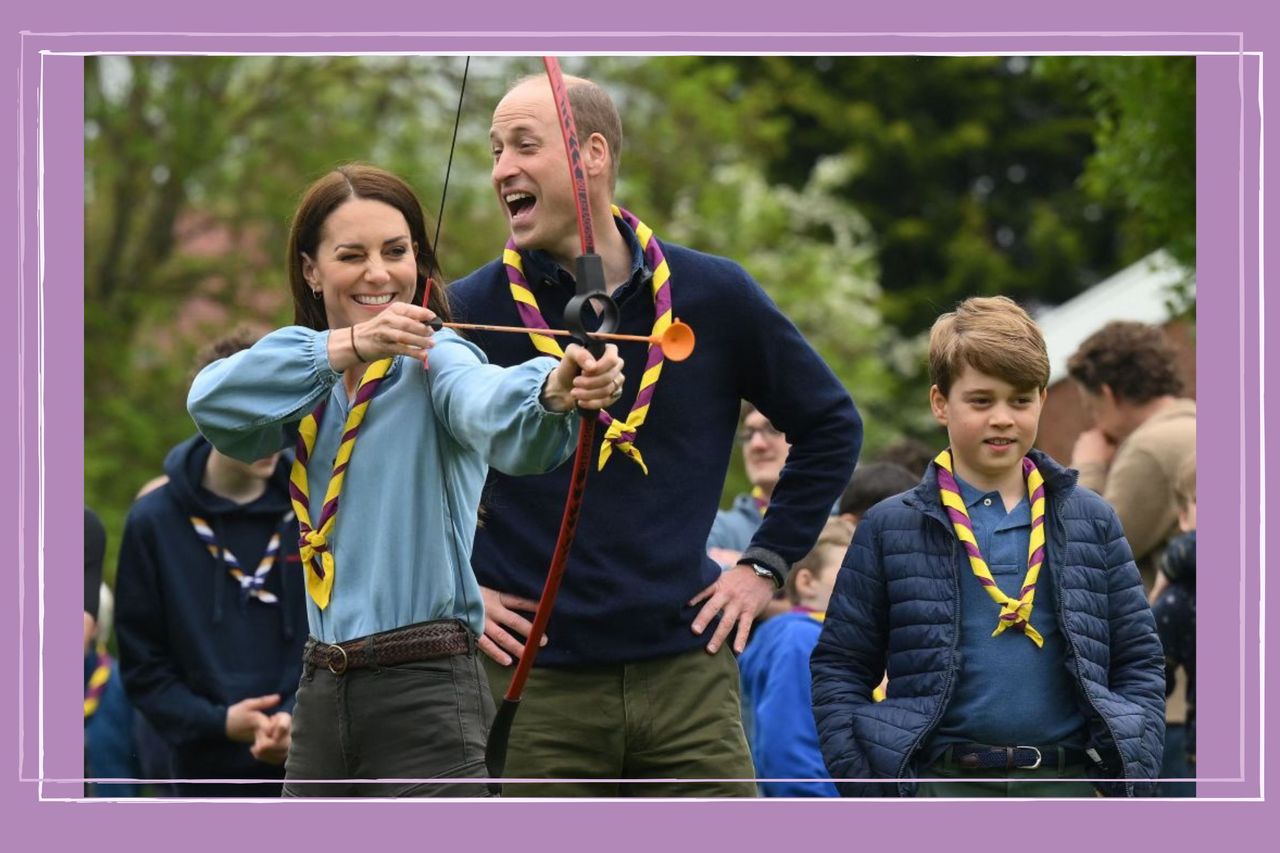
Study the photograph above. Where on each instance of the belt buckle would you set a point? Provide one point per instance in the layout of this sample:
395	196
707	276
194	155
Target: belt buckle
337	666
1039	757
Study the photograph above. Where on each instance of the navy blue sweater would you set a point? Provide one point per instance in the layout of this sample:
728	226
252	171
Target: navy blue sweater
188	647
640	553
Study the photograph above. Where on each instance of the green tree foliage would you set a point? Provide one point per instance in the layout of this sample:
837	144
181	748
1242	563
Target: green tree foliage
192	168
815	255
967	170
1145	159
866	194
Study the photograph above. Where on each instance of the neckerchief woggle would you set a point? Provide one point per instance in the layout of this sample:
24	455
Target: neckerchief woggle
313	546
1014	612
620	434
251	585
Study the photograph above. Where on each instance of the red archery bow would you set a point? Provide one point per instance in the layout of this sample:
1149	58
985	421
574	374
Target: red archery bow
590	292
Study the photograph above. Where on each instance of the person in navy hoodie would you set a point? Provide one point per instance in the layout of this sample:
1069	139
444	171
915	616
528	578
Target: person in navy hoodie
210	613
1066	694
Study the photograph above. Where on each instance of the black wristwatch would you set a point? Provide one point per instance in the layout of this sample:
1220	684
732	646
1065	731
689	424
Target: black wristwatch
763	571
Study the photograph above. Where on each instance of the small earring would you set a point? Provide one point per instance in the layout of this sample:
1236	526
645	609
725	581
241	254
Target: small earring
317	293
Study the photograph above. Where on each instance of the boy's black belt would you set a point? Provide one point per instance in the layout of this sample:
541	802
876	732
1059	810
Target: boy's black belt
977	756
423	641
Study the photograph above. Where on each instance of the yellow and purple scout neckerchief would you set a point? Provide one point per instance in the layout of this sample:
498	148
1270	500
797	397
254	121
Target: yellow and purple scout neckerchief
313	546
1014	612
97	682
762	503
619	434
251	586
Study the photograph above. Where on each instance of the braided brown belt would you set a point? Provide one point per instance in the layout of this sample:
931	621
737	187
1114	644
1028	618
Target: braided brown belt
424	641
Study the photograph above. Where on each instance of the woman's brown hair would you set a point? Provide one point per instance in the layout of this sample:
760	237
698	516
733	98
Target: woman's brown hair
322	198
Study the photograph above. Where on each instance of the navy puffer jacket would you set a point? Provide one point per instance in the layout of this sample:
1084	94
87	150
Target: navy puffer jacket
896	605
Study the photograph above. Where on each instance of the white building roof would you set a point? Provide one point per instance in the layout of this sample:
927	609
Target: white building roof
1139	292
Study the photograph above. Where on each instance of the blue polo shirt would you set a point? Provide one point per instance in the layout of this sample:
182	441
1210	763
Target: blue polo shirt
1008	691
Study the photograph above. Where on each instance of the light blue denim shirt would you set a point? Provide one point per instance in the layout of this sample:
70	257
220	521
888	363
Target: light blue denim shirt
407	515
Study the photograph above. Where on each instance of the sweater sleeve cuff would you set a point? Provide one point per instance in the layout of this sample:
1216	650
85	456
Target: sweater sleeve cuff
768	559
215	722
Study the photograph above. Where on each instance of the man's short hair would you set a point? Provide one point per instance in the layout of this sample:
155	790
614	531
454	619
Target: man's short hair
1135	360
836	535
593	112
872	483
1184	489
991	334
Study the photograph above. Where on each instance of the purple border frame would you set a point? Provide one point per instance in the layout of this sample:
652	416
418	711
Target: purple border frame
1231	320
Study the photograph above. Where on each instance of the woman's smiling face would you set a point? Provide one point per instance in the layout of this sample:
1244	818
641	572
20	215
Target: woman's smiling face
364	262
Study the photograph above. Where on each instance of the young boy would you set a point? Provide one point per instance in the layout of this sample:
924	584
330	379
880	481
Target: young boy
775	674
1069	684
211	615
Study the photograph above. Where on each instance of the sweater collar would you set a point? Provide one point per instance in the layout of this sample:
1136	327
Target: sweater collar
542	271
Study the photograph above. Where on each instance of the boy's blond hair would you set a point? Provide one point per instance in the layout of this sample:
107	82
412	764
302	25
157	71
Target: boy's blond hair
991	334
836	534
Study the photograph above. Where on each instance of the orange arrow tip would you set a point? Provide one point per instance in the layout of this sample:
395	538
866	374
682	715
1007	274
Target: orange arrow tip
677	341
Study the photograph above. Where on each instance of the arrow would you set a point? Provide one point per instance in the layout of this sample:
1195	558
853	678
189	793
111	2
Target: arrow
676	342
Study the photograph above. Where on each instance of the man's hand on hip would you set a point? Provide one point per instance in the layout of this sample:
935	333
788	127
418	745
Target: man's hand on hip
505	630
739	594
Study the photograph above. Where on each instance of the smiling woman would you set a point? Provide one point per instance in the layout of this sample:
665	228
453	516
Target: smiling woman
361	230
365	260
386	526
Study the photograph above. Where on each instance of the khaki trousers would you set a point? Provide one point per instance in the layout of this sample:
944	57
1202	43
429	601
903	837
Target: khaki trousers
670	719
